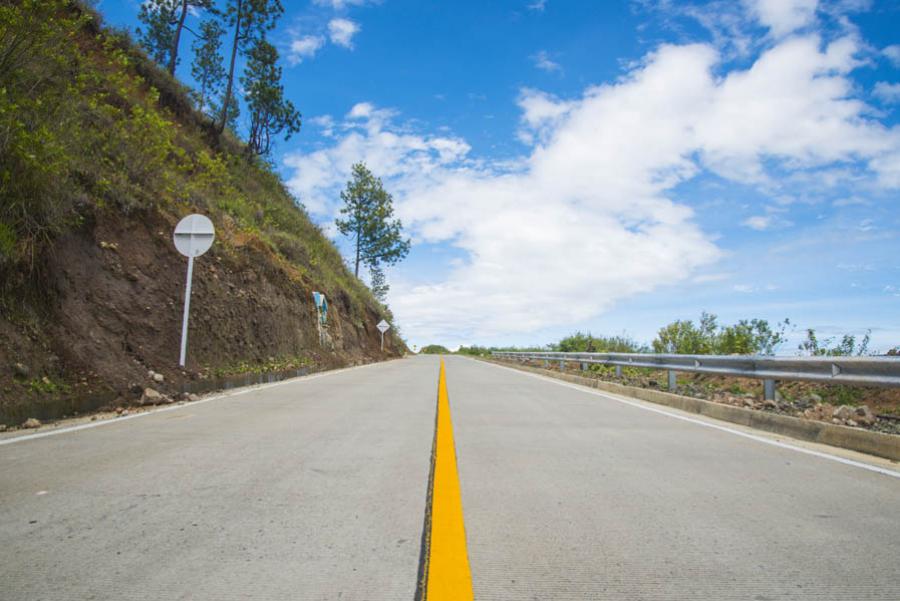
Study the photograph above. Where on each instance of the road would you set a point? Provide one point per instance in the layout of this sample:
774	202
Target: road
316	489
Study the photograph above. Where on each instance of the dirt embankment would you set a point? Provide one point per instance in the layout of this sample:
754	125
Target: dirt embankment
107	316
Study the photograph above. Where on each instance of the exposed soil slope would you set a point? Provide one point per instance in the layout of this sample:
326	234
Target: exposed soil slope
95	307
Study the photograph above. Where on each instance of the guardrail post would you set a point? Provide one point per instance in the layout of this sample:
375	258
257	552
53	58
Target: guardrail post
618	371
546	363
673	380
562	365
584	367
769	389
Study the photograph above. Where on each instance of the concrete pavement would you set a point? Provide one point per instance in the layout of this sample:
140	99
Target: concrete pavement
316	489
308	490
571	495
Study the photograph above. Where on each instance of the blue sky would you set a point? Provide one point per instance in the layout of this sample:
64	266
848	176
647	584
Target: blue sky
611	166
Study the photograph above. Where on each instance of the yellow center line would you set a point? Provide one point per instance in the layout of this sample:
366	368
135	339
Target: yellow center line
447	577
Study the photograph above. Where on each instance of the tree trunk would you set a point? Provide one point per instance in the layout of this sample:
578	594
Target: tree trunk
356	270
173	55
229	89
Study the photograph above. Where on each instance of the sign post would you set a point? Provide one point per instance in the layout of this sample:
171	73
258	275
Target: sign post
193	236
383	327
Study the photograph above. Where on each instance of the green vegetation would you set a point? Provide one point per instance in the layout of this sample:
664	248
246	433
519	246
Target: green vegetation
272	364
88	124
47	386
434	349
377	236
707	337
827	347
587	343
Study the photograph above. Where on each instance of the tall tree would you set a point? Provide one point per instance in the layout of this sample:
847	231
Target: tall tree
207	68
250	20
158	35
185	6
270	112
379	285
369	212
165	22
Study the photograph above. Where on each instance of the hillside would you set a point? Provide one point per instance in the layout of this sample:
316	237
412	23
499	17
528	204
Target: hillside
102	153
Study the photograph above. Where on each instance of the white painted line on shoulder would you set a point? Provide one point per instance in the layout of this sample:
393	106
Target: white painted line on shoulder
706	424
224	395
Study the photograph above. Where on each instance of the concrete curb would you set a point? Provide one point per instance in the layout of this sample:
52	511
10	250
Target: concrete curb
854	439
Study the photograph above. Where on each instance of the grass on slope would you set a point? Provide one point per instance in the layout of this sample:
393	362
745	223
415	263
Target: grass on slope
88	123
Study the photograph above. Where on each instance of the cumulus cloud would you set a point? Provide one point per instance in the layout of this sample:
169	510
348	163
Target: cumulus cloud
759	222
893	54
584	219
305	47
543	62
342	4
341	32
783	16
888	93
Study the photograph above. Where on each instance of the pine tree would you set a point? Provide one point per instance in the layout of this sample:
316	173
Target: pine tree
250	20
165	22
207	68
270	112
379	284
369	210
158	35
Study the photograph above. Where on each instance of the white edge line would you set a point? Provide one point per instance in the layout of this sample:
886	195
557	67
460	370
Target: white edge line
229	394
776	443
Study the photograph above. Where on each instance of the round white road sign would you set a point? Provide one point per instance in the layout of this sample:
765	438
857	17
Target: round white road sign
194	235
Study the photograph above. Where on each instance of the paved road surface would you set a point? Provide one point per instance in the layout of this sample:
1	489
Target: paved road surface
316	489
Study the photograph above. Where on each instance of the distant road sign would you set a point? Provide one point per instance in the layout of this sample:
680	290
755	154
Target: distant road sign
194	235
383	327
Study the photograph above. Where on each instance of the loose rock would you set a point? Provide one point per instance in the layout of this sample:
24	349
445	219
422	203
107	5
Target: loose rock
21	370
864	416
154	397
159	378
31	423
844	412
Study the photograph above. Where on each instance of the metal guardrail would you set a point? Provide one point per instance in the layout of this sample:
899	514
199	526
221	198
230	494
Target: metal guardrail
864	371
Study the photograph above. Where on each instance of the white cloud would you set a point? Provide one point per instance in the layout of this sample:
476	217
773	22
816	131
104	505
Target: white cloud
759	222
305	47
543	62
892	53
889	93
538	5
783	16
342	4
341	32
584	219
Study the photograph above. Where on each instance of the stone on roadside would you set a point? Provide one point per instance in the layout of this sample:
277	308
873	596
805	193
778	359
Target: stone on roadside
159	377
844	412
21	370
2	427
154	397
864	416
31	423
